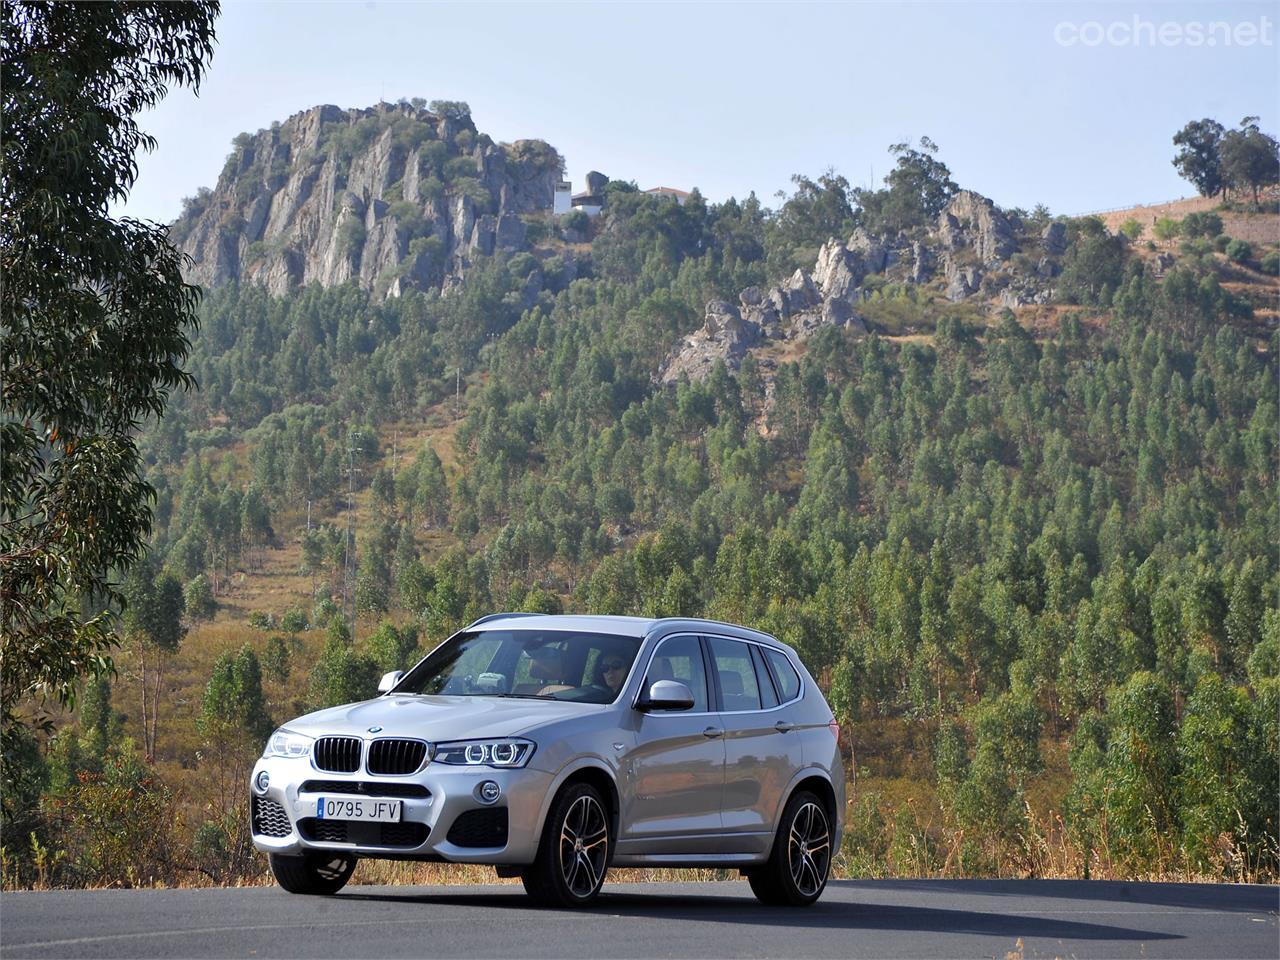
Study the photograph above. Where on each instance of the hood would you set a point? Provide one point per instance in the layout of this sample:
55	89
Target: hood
438	718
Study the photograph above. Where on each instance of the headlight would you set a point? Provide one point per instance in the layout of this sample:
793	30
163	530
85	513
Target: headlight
286	743
506	752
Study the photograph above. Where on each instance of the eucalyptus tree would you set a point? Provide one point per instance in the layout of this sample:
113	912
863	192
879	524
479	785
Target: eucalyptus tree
95	318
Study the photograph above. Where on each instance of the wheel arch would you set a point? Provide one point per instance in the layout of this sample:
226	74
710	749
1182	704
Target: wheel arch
816	782
591	772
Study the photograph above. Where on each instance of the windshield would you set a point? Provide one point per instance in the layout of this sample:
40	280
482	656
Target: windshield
546	664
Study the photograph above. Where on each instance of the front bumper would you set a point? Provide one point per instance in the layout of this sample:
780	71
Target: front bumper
452	792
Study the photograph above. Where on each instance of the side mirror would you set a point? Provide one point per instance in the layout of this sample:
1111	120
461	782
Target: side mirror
389	680
667	695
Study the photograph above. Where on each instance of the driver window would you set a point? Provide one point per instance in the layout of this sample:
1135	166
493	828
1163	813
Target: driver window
680	658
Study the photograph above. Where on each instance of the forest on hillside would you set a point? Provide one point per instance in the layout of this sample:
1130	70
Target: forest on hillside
1030	556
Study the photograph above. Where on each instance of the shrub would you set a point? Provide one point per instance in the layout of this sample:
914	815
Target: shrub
294	621
1131	228
197	598
120	829
323	610
260	620
275	659
350	234
1271	263
1238	251
459	168
1165	229
1201	225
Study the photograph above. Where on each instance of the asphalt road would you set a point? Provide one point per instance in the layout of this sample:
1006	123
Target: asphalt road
879	918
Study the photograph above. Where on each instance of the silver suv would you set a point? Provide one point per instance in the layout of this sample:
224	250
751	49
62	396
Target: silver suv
554	747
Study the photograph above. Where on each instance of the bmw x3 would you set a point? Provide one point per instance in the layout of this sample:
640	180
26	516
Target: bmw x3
555	747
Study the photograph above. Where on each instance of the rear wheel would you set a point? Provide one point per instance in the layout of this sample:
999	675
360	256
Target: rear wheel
796	872
574	853
314	873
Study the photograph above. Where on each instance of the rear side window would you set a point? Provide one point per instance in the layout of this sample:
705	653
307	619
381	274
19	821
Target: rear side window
788	679
767	696
737	675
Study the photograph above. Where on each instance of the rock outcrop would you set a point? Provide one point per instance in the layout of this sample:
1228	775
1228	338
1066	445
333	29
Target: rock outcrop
794	310
972	247
975	236
393	197
723	338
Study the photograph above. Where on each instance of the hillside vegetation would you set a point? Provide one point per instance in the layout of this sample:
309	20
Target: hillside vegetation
1020	524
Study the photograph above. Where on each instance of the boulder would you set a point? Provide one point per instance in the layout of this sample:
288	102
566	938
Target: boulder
972	220
874	255
962	281
1053	239
724	337
922	262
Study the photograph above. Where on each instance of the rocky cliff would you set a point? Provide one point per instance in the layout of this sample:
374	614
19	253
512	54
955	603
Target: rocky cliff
390	197
975	250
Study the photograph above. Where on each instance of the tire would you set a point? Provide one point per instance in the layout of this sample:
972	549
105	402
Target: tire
797	870
314	873
573	855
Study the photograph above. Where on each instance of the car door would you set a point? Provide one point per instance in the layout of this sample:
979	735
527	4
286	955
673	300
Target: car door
760	756
672	777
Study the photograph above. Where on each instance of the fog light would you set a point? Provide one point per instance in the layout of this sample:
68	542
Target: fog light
489	792
262	781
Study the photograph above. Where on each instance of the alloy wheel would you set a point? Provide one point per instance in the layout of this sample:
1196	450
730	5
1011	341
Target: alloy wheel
809	849
584	846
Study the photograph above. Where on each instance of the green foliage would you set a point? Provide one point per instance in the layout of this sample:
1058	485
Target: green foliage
154	608
1239	251
576	220
95	330
260	620
1093	266
233	712
1199	159
916	190
341	675
1250	158
1131	228
197	599
294	620
1201	224
1141	767
1217	795
120	826
392	648
1165	229
350	235
276	659
451	110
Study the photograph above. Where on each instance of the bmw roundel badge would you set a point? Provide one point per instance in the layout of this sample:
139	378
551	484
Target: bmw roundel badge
375	729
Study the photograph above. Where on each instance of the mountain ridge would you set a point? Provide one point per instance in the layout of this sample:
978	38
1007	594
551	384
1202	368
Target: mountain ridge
392	197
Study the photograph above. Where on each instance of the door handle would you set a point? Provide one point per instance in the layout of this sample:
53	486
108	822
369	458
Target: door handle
712	732
782	726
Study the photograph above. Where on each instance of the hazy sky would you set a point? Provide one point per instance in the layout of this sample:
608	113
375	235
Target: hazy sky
1068	104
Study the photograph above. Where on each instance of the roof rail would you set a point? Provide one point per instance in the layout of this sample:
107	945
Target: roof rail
499	616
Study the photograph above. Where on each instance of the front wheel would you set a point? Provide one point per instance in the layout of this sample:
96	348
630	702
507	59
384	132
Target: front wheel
796	872
318	874
574	852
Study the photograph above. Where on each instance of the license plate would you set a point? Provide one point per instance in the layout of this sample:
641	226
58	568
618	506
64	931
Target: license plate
358	808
